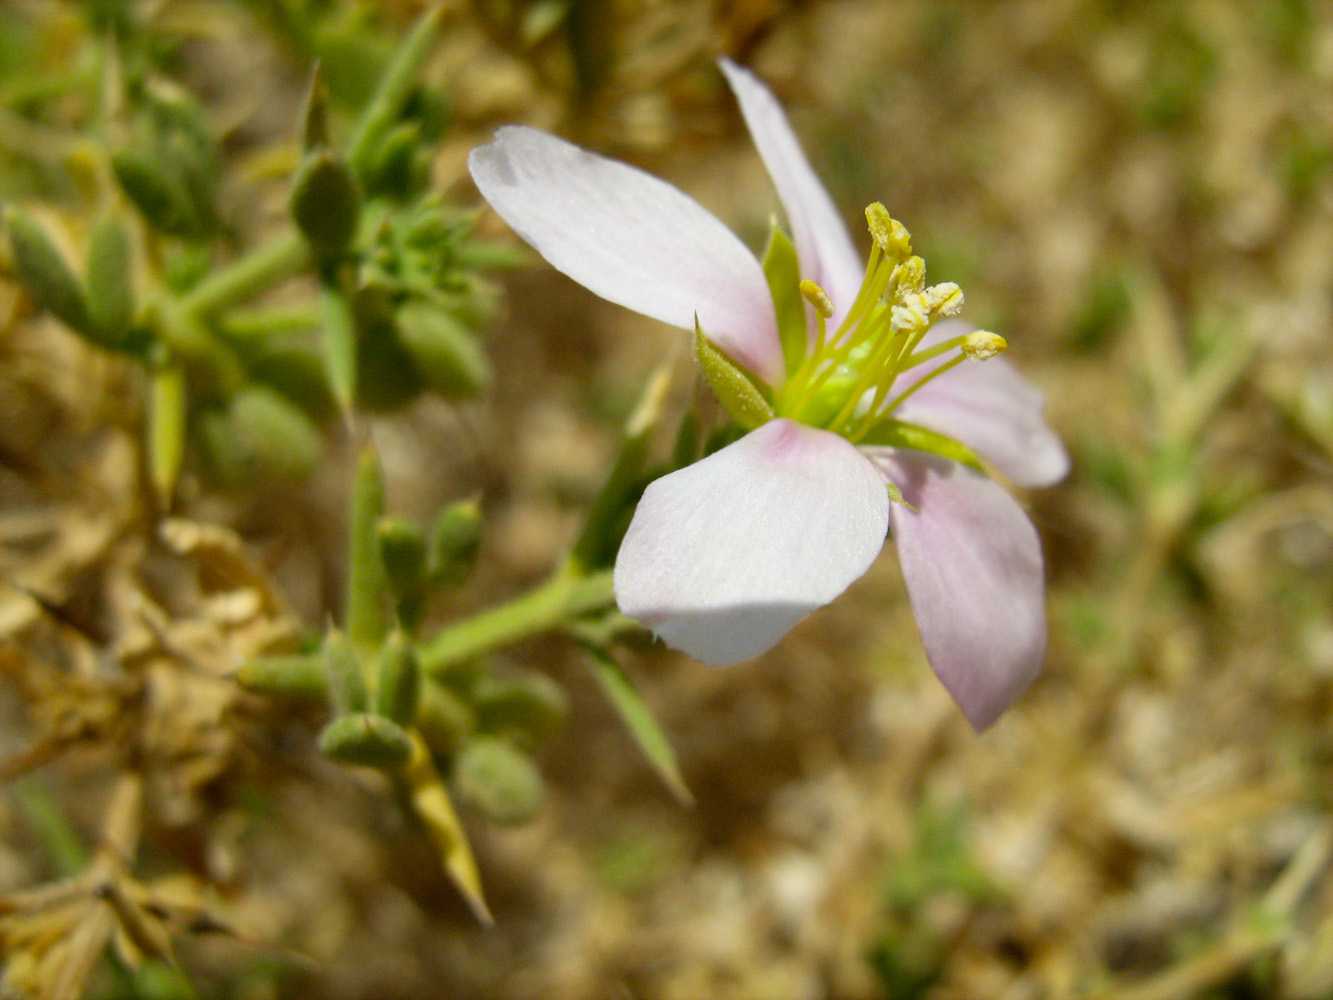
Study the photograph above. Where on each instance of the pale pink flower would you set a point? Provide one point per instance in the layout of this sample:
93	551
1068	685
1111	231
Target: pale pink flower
724	556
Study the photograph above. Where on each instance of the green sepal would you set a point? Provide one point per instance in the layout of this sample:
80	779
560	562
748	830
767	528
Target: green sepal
299	677
738	395
45	273
455	540
368	740
499	780
110	281
783	271
893	433
326	203
398	687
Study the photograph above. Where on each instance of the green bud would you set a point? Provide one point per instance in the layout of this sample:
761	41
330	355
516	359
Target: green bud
299	677
399	684
368	740
159	194
737	394
326	203
110	280
499	780
455	539
526	706
394	168
442	718
342	668
44	272
445	351
296	372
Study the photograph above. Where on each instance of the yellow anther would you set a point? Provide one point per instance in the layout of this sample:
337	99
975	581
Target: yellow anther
817	297
982	345
945	299
911	276
881	225
912	316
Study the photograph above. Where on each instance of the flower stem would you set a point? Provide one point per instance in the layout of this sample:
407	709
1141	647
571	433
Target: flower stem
557	600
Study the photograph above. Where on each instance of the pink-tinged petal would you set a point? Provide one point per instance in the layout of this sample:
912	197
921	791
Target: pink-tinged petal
724	556
991	408
825	250
632	239
972	563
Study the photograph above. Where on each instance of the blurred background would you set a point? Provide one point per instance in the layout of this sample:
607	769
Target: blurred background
1137	195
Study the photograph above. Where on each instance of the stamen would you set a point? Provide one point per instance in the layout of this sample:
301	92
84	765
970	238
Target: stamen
817	297
945	299
889	234
982	345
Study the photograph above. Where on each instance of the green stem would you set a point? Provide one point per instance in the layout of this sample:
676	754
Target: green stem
268	265
546	607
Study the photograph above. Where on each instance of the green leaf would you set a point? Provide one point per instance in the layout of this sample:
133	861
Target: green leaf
45	273
894	433
498	779
399	683
110	280
783	271
446	353
737	394
638	719
455	540
299	677
366	583
339	343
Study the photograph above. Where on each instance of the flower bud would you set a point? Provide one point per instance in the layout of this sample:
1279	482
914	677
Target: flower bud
403	551
499	780
368	740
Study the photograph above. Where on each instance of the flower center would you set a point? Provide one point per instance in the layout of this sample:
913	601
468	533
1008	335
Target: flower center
845	381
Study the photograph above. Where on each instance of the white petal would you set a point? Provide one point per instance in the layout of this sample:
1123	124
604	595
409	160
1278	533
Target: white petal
822	244
972	563
633	239
991	408
724	556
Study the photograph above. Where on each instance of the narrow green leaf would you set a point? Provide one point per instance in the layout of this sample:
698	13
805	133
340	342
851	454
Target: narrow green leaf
166	428
737	394
345	676
368	740
783	271
394	87
339	342
315	120
398	686
365	613
446	353
455	540
298	677
647	734
894	433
